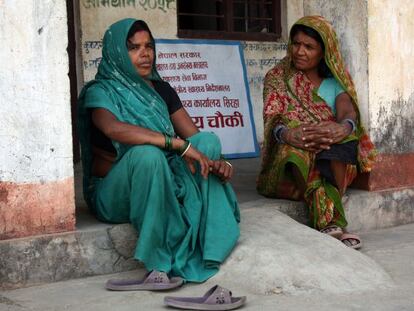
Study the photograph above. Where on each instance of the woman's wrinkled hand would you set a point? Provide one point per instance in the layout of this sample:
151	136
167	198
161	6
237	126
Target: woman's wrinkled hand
332	133
316	137
222	169
308	137
192	156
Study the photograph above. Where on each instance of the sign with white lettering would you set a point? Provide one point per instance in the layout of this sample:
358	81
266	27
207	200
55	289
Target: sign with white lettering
210	79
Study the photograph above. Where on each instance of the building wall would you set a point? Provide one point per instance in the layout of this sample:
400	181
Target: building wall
162	20
36	171
350	21
377	43
95	18
391	74
375	40
349	18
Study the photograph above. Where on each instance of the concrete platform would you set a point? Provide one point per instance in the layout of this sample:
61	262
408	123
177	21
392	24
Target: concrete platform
96	248
391	248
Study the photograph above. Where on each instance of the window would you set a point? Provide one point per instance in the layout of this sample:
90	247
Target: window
257	20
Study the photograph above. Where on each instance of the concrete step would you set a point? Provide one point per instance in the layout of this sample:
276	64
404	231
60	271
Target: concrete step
392	249
96	248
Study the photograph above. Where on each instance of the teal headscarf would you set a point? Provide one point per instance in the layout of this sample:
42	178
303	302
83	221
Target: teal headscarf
132	100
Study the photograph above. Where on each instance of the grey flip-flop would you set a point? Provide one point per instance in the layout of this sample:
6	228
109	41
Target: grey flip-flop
216	298
154	280
333	230
350	236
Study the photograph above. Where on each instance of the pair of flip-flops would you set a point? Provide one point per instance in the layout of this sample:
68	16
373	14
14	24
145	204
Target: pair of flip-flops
338	233
216	298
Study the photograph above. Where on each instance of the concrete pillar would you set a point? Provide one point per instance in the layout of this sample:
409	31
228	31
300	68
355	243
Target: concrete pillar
36	171
292	10
391	91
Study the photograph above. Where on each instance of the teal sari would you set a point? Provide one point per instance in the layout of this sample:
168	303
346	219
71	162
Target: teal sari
187	225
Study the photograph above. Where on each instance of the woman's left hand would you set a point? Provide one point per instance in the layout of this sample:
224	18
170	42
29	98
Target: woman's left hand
337	131
193	155
222	169
331	133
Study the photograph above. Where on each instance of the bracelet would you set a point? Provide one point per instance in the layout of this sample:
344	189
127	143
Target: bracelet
168	142
277	133
351	122
222	158
183	147
187	145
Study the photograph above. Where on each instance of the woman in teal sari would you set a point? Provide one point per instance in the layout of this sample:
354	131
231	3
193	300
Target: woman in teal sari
145	162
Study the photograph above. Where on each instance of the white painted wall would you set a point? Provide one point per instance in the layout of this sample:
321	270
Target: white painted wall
391	74
161	17
35	131
292	10
391	49
260	57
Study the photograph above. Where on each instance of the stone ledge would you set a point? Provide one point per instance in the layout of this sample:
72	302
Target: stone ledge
57	257
98	248
365	211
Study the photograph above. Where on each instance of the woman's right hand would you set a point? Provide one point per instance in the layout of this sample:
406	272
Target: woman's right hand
308	137
193	155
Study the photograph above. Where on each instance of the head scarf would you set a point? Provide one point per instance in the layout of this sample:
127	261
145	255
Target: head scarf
133	101
333	56
287	88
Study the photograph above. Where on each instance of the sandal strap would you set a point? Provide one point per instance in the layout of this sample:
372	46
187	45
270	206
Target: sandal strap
219	295
332	227
157	277
350	236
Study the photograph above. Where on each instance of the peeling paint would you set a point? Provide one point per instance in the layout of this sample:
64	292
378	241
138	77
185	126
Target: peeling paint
395	133
30	209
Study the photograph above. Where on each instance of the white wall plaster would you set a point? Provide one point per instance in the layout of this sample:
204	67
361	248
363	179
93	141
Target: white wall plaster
35	132
292	10
161	17
391	61
260	57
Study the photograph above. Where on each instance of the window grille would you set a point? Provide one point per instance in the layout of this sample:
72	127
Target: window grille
257	20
